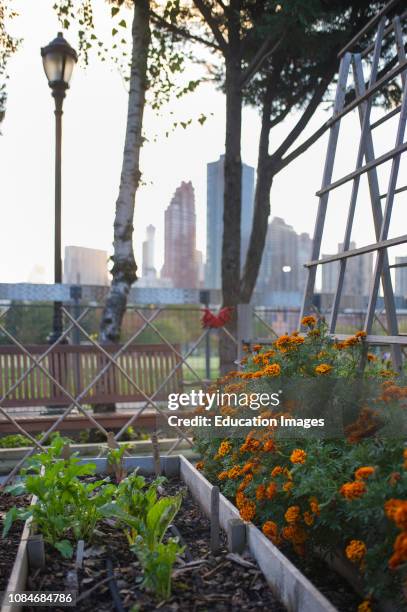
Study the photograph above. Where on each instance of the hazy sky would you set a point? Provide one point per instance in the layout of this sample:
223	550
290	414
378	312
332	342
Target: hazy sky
94	127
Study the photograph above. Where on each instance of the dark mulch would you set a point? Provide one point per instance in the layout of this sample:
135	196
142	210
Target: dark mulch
327	581
9	545
217	584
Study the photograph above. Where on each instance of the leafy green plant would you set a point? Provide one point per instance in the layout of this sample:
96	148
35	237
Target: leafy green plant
66	508
115	462
146	520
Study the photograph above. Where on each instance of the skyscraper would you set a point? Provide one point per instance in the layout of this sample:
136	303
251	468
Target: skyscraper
181	258
358	274
401	277
148	267
285	253
85	266
214	215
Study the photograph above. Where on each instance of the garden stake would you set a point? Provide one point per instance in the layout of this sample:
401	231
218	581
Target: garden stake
156	453
236	534
114	591
79	554
215	529
35	551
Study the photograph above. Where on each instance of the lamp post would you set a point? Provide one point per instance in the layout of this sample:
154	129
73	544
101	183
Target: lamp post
58	59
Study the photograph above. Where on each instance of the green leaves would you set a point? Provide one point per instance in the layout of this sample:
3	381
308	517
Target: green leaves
159	518
65	548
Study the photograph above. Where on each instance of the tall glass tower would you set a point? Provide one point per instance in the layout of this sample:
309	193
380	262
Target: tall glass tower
214	218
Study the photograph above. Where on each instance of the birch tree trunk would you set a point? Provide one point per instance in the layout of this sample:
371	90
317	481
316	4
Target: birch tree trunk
124	265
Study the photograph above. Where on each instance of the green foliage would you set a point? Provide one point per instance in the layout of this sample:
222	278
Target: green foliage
146	519
115	462
157	563
322	492
67	508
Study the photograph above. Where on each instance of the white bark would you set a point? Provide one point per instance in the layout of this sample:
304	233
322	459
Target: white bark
124	265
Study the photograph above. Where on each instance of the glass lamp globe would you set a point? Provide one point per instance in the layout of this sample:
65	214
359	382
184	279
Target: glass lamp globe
58	59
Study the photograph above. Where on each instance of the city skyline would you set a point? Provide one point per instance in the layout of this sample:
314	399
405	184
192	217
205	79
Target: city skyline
90	190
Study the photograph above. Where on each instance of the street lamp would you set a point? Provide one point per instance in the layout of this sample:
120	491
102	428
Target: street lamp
58	59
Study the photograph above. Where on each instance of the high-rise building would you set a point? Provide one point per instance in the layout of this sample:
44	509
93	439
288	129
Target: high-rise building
358	274
181	259
304	255
401	277
85	266
148	267
214	228
285	253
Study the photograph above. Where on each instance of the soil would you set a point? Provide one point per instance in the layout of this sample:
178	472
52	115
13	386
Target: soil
327	581
202	581
9	545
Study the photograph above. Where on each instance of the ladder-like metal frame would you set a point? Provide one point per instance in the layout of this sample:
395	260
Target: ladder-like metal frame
366	163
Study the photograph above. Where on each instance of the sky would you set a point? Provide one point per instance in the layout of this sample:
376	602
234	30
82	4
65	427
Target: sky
94	128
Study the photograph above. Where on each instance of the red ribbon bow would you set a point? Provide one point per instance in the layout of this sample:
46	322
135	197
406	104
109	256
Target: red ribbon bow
216	321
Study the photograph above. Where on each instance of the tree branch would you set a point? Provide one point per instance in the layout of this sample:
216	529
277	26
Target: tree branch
282	163
260	57
306	115
182	31
211	21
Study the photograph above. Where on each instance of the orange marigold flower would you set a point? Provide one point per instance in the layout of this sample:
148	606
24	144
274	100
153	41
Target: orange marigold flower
250	444
364	472
248	511
224	448
391	506
400	551
270	530
364	606
323	368
299	535
261	492
353	490
355	551
371	357
288	532
222	475
234	472
314	505
351	341
277	471
200	465
256	347
298	456
272	370
243	361
360	334
292	514
240	499
287	486
394	478
269	446
309	321
283	341
257	359
245	482
400	515
271	490
387	373
308	518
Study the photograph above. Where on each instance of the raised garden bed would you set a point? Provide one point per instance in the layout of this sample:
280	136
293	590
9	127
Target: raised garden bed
216	581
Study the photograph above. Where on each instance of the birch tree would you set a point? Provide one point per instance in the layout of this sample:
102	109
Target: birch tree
124	265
